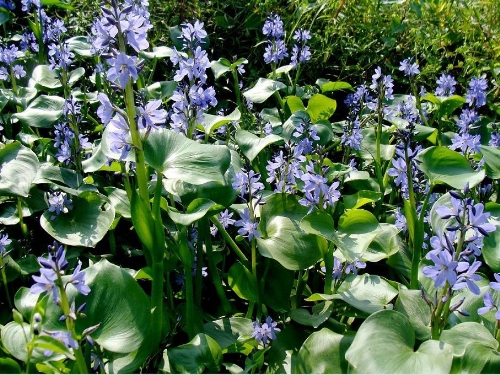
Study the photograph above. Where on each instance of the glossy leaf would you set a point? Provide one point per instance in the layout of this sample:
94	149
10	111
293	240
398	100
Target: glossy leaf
46	78
162	89
18	169
181	158
385	344
320	314
85	225
491	247
196	210
243	282
328	86
200	353
491	157
283	239
263	89
323	352
321	107
412	305
43	112
229	331
213	122
445	166
251	145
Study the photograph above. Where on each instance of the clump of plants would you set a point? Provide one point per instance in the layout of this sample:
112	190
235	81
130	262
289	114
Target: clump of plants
163	212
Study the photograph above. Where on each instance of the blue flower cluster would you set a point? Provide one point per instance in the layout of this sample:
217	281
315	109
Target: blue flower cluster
265	332
192	98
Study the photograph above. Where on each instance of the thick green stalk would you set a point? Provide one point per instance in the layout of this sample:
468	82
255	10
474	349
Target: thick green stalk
229	240
4	281
187	262
237	89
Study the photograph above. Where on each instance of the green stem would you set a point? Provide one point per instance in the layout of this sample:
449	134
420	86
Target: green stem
187	262
237	89
214	273
24	227
229	240
4	281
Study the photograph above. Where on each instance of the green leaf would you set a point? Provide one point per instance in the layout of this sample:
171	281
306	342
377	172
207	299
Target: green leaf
491	244
46	78
181	158
251	145
54	345
85	225
491	161
279	283
220	67
161	89
25	302
474	348
243	282
385	244
80	46
75	75
213	190
360	198
445	166
263	89
320	314
23	96
18	169
213	122
283	239
49	173
356	230
412	305
368	149
125	323
9	366
196	210
319	223
192	358
321	107
327	86
449	105
294	104
323	352
385	344
368	293
119	200
158	53
43	112
230	331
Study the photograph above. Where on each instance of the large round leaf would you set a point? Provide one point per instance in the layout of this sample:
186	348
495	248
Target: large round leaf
445	166
18	168
491	248
283	239
323	352
42	112
384	344
85	225
116	302
321	107
179	157
243	282
491	161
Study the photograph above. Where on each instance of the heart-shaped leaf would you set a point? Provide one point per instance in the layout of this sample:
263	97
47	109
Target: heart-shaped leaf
283	239
181	158
445	166
321	107
323	352
243	282
18	169
85	225
213	122
385	343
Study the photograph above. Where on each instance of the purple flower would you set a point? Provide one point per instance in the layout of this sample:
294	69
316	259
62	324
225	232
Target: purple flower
352	135
247	182
478	219
105	110
352	267
248	227
273	27
446	85
265	332
18	71
135	28
4	241
275	51
444	269
122	69
409	67
59	202
193	33
476	95
468	279
46	282
78	280
151	116
496	284
64	337
119	136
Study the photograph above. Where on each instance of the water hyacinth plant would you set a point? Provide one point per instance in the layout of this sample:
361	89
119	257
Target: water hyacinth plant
201	219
